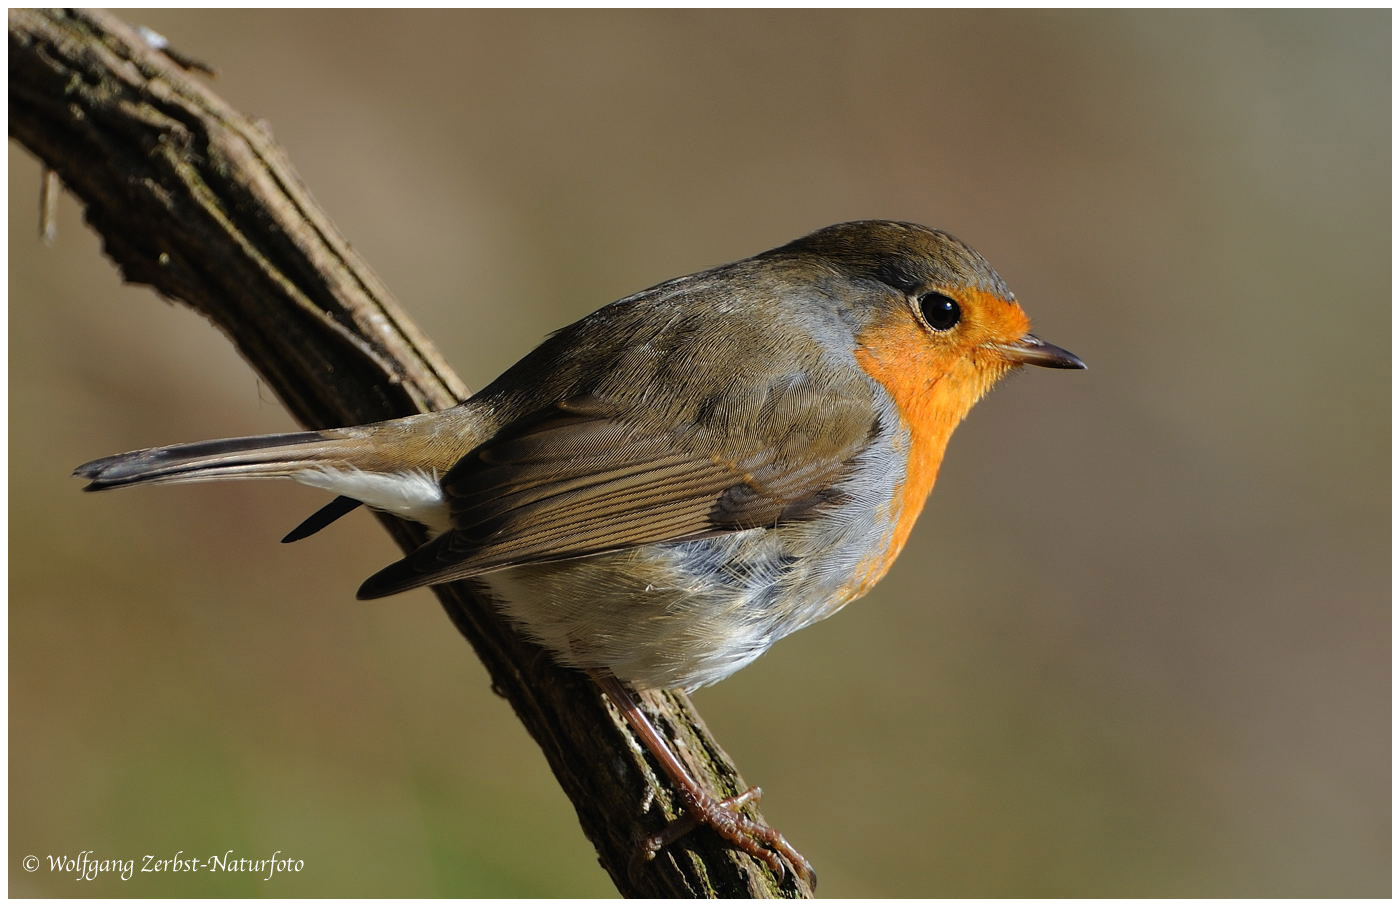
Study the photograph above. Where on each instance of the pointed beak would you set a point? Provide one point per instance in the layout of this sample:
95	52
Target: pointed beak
1031	350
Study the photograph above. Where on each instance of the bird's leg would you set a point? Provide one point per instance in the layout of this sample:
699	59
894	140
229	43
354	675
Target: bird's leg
723	816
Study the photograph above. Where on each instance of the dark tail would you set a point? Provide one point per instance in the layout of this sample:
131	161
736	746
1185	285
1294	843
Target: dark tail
321	519
427	444
264	456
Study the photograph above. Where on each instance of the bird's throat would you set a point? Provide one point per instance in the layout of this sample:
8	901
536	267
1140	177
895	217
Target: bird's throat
932	396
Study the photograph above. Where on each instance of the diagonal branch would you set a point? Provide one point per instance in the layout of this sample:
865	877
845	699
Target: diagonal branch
194	199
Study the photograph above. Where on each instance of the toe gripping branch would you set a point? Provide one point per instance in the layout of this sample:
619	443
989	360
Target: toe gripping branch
724	817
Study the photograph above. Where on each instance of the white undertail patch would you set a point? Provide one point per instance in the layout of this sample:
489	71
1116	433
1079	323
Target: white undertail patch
414	495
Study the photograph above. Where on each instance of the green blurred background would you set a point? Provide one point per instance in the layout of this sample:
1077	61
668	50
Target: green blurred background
1139	643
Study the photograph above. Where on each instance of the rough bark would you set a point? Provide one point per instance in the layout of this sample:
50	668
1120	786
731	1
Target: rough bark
197	201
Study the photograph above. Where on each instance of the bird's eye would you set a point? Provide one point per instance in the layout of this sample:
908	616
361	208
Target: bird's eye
941	312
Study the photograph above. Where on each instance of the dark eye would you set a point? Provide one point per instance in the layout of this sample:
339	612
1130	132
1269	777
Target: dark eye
939	311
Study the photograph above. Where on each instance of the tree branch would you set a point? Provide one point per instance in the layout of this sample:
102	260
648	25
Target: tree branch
194	199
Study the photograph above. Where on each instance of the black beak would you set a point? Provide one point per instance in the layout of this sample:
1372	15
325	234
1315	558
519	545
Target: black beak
1031	350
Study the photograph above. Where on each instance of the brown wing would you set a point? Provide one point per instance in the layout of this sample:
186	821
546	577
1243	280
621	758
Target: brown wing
583	478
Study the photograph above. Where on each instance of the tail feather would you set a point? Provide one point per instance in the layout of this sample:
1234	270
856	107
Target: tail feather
392	466
263	456
321	519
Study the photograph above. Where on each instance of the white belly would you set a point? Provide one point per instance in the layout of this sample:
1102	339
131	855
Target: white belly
674	616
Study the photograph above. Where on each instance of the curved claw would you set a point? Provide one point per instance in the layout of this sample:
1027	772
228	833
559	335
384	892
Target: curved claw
762	842
723	816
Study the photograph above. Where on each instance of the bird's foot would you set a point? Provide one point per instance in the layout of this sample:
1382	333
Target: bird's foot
726	819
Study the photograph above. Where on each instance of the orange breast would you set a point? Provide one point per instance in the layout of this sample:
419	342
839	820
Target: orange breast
932	393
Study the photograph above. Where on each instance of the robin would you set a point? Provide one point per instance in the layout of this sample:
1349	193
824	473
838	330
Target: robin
665	488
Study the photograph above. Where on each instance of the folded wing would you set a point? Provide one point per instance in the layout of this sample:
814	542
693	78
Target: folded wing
584	477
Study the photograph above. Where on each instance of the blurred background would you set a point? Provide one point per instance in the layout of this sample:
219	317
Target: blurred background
1139	643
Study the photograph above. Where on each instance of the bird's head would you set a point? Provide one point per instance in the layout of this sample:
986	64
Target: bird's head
934	323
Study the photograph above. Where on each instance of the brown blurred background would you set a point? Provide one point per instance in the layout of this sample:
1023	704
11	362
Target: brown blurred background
1139	643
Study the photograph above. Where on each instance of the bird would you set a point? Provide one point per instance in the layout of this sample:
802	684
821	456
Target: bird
665	488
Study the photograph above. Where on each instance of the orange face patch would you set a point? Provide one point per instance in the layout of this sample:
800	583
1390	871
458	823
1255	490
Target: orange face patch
934	382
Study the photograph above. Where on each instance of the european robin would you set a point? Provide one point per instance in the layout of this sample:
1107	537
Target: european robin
667	487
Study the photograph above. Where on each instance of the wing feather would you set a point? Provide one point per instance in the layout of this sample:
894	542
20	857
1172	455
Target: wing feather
584	477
